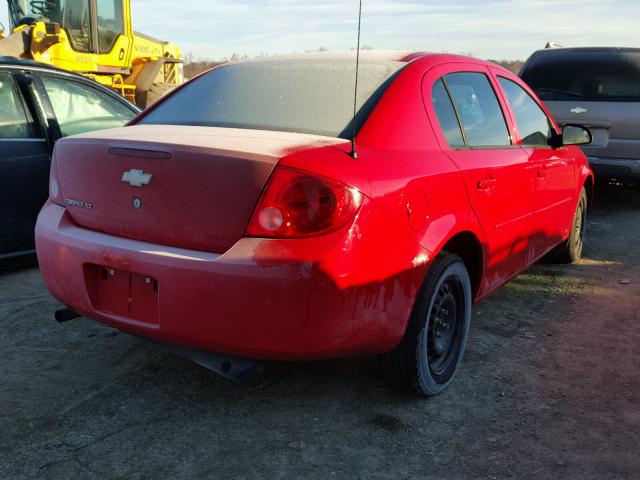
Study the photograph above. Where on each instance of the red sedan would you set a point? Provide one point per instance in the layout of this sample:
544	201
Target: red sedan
250	214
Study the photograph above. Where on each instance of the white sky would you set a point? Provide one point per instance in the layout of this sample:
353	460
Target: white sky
500	29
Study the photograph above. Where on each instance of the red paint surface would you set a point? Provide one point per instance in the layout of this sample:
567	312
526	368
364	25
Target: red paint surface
350	291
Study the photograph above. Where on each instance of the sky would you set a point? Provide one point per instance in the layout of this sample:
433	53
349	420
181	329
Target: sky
496	29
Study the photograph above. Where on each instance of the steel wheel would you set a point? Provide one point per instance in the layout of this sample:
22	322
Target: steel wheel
571	250
579	228
443	331
434	342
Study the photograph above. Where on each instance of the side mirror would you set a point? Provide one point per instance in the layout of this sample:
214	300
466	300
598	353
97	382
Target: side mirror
575	135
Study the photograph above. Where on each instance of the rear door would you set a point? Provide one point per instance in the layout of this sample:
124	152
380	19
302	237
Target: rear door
475	133
555	168
24	163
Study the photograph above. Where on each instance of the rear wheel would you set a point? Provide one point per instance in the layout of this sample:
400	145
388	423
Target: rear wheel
432	348
570	251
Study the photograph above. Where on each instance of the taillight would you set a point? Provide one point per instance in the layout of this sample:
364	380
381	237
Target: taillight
298	204
55	192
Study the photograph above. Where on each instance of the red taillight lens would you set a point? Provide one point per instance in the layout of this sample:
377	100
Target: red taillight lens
55	192
298	204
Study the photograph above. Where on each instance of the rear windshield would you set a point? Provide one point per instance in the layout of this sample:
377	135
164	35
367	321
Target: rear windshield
588	76
305	96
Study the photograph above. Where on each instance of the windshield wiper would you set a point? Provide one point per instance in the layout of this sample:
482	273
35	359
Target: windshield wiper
560	92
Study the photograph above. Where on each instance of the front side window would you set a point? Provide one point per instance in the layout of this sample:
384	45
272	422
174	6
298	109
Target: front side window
77	23
478	109
15	122
80	108
532	121
446	114
110	24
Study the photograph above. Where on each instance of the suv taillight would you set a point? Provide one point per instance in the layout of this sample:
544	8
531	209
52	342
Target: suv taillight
298	204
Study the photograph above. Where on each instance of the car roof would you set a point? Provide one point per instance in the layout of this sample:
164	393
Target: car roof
569	50
372	56
335	55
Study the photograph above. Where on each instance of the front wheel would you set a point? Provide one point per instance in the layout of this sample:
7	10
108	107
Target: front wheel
570	251
432	348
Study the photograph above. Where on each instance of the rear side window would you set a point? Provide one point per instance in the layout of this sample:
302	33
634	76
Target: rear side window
80	108
446	114
595	76
14	120
478	109
533	123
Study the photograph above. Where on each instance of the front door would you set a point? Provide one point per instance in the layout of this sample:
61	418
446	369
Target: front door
554	198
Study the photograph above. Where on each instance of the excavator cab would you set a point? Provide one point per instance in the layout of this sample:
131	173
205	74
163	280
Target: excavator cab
91	26
95	38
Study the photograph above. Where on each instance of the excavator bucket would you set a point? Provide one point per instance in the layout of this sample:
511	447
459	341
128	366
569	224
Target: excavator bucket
16	44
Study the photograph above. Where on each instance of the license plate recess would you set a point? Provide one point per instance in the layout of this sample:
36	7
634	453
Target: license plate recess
123	293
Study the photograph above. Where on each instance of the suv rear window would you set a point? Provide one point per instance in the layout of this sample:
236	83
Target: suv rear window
304	96
607	76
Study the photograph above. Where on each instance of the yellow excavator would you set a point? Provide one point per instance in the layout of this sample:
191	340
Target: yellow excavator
94	38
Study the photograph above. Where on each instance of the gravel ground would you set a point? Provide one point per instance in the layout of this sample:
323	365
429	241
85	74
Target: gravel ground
549	388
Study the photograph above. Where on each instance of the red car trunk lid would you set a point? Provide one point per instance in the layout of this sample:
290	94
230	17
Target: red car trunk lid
194	187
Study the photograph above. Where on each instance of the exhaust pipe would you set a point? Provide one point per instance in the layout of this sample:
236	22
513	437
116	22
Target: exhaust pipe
236	369
66	314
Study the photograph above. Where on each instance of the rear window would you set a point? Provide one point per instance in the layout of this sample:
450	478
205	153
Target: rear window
589	76
305	96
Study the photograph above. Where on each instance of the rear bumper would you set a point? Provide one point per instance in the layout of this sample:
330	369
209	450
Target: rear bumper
619	168
270	299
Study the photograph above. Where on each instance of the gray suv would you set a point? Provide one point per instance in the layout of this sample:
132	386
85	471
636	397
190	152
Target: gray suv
598	88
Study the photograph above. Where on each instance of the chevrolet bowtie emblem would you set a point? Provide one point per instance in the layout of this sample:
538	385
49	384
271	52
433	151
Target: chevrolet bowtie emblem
578	110
136	178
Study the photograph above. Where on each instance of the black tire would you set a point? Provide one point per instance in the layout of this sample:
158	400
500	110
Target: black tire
433	345
156	92
570	251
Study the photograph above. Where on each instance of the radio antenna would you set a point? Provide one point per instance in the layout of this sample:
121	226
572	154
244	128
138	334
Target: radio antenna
354	154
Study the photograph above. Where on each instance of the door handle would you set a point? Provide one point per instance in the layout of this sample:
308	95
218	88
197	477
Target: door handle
542	173
486	184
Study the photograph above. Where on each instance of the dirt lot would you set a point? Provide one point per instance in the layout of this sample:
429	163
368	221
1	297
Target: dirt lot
549	388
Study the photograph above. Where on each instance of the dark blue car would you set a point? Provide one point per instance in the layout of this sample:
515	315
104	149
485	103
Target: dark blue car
38	105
